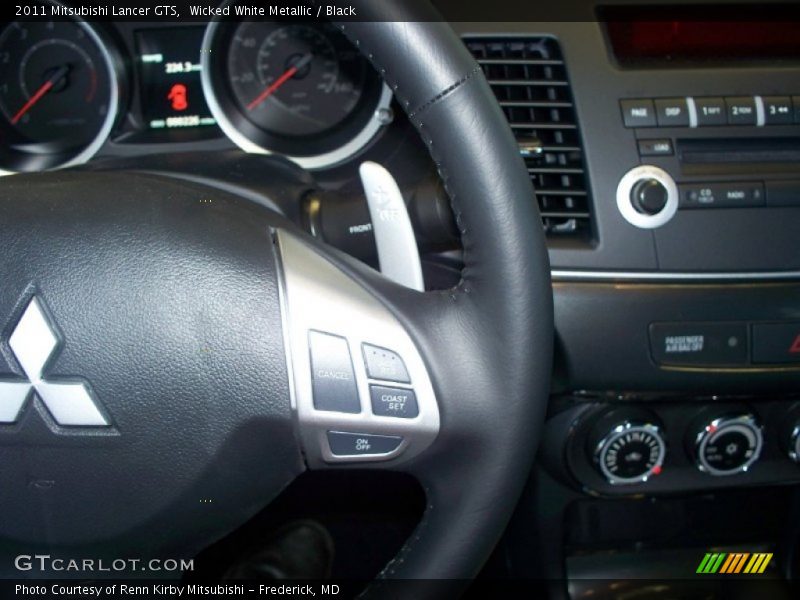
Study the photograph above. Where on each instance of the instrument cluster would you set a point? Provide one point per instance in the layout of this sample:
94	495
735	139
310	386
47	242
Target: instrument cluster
68	87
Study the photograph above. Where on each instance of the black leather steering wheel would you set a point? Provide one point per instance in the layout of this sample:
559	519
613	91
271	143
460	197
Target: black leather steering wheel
169	375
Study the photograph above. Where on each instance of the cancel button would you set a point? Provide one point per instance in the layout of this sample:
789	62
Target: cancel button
393	402
709	344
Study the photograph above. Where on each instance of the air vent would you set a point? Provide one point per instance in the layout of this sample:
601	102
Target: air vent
529	78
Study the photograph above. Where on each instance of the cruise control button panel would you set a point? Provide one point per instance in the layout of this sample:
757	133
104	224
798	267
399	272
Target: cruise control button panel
332	376
362	444
393	402
361	391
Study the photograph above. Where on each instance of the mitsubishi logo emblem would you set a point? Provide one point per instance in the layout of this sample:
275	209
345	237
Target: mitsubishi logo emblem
33	342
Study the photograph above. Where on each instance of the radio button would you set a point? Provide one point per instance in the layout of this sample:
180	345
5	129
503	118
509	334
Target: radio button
778	110
741	110
672	112
710	112
638	113
722	195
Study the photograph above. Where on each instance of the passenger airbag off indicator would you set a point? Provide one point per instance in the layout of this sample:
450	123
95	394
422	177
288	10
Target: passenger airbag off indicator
710	344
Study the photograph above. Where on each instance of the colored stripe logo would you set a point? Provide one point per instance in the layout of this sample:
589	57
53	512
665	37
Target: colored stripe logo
731	563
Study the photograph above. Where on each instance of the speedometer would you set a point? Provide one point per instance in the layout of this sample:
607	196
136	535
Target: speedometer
300	89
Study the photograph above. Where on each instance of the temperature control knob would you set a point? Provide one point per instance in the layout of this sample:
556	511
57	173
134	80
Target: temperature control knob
729	445
631	452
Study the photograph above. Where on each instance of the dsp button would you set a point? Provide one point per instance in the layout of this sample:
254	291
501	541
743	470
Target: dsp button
776	343
393	402
332	379
344	443
672	112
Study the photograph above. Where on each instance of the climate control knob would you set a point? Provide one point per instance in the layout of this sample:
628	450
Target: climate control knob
729	445
631	452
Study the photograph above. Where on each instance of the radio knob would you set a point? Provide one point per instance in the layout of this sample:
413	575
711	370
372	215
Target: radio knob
649	196
631	452
729	445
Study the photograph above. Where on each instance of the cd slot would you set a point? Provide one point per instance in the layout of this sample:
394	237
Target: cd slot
739	151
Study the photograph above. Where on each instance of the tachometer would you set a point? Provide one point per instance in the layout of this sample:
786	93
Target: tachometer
58	94
300	89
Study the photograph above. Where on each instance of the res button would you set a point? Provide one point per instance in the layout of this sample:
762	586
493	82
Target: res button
384	364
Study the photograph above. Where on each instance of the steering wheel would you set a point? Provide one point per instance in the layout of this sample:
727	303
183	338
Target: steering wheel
177	355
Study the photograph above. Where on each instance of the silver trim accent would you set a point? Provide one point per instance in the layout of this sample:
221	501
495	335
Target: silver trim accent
761	118
398	254
745	424
625	205
113	105
619	431
644	276
33	343
318	161
316	295
794	444
691	108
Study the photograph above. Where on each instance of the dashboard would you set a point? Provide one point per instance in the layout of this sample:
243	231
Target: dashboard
664	151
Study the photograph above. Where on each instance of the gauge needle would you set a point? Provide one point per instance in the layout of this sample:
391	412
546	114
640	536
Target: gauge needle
286	76
39	93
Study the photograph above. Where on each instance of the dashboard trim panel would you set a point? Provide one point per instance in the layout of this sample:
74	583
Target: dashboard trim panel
582	275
